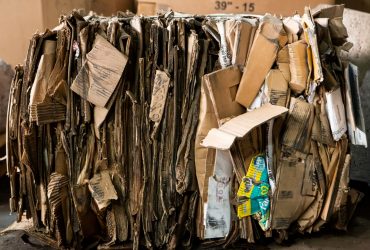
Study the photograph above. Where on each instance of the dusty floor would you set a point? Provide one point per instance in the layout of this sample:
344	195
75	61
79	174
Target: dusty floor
358	235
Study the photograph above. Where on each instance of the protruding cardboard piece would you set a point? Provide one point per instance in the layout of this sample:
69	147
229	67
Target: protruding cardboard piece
217	210
159	96
223	137
102	189
269	37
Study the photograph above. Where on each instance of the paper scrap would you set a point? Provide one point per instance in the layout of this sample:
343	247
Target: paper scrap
101	72
102	189
217	213
159	96
336	113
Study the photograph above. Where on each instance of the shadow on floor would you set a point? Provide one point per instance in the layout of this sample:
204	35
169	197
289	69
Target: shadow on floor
5	217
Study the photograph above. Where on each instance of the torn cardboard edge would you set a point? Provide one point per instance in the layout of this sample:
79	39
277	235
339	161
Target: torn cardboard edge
224	137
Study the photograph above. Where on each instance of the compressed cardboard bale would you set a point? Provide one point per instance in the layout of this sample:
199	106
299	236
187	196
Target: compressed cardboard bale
170	122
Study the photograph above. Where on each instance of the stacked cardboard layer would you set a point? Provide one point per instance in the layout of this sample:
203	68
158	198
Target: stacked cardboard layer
155	132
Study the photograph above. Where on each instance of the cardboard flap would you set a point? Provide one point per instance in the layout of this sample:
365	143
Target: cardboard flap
222	85
218	139
241	125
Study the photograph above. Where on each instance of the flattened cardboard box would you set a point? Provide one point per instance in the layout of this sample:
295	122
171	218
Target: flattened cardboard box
282	7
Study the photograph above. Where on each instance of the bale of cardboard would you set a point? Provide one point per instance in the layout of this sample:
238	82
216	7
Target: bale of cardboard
158	132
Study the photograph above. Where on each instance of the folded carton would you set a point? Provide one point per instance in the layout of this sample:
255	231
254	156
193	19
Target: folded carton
283	62
321	131
299	71
277	87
